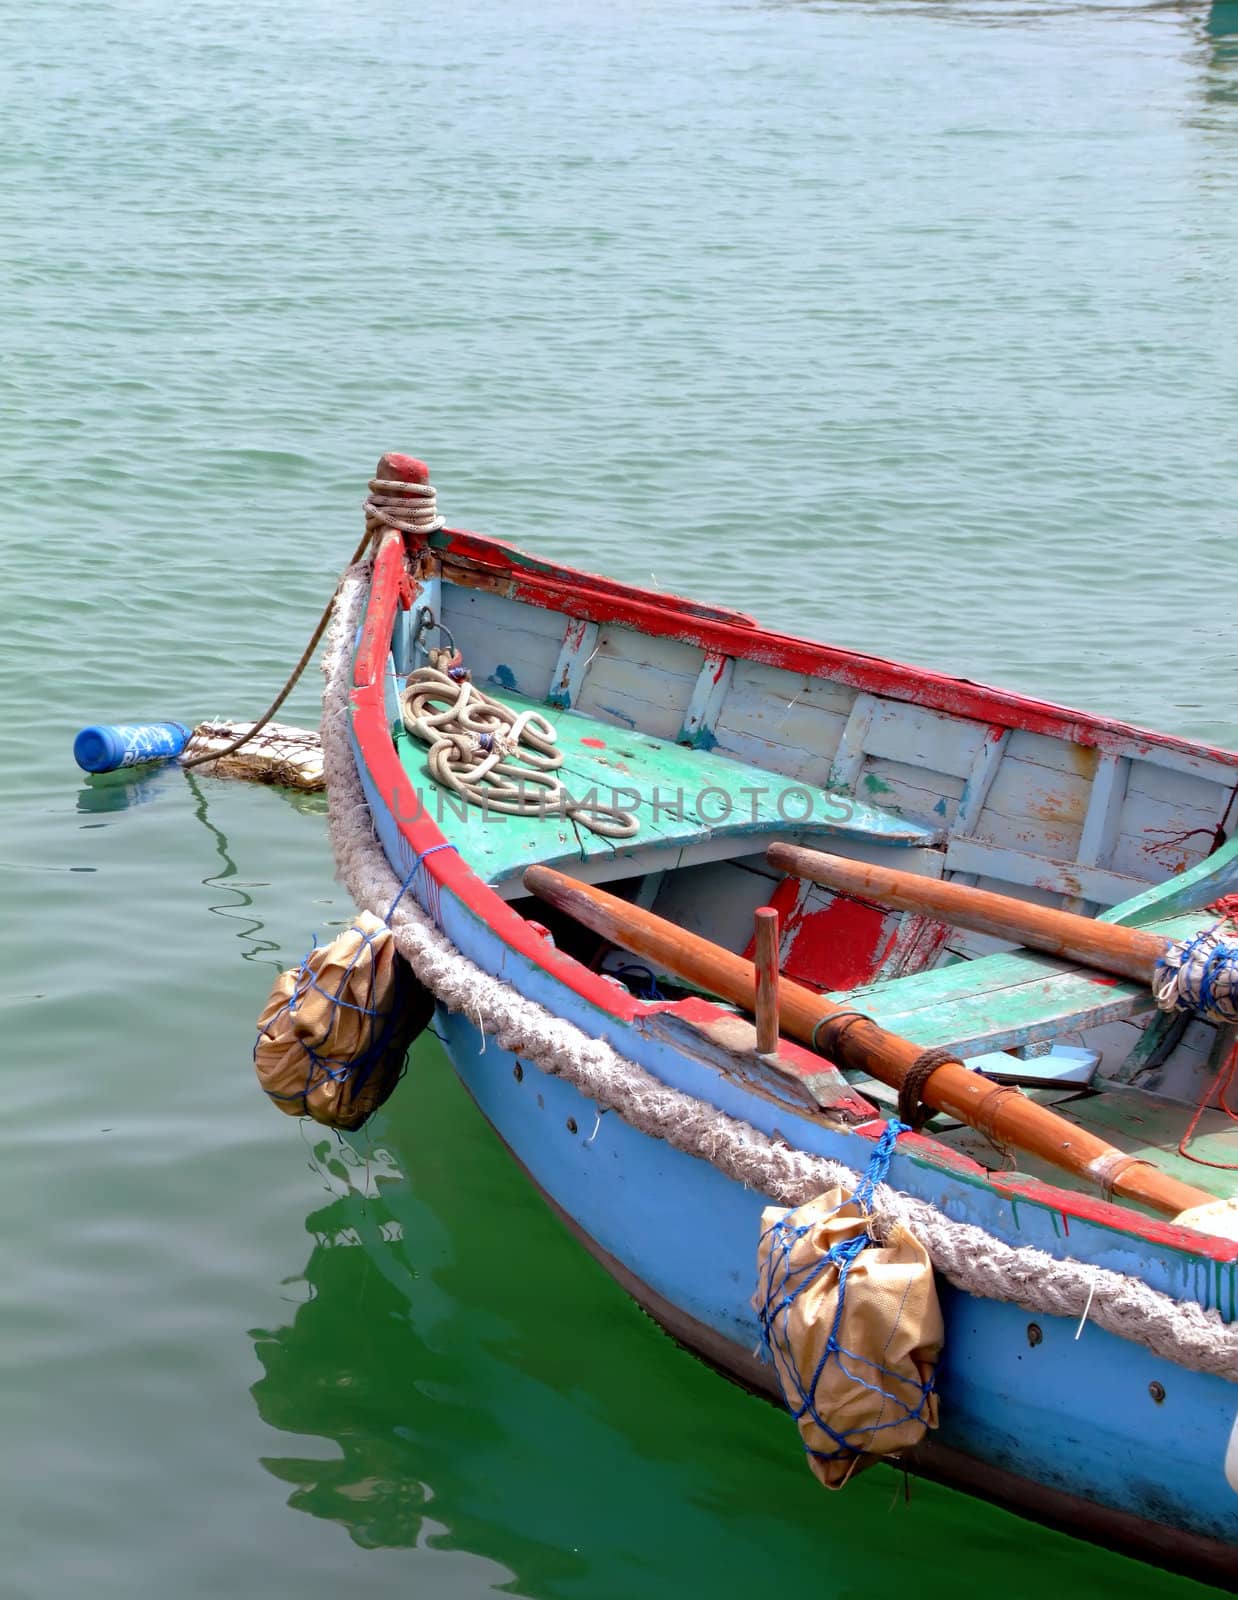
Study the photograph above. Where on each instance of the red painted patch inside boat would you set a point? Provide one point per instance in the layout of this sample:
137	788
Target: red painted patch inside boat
1105	983
837	946
595	744
840	946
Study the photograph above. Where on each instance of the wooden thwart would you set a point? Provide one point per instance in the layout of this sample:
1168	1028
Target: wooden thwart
1127	952
852	1040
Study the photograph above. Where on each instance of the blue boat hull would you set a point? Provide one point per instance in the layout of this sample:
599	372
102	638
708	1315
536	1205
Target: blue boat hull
1063	1428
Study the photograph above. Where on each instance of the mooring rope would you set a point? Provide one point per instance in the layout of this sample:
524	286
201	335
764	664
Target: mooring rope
497	758
1180	1331
419	503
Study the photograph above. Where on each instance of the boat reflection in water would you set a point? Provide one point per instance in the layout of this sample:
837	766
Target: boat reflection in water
485	1387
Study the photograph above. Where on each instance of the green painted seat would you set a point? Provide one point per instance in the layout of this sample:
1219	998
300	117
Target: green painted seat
1000	1002
692	805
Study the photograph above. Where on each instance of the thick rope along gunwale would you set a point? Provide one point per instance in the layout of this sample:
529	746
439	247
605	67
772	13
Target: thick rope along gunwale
969	1257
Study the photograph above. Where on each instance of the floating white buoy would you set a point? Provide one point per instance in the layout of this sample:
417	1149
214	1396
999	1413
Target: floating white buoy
291	757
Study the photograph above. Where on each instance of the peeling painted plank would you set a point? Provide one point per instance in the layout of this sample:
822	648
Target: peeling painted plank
1100	826
849	757
579	642
1059	877
708	693
919	737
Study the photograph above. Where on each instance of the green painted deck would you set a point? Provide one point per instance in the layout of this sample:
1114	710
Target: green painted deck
683	798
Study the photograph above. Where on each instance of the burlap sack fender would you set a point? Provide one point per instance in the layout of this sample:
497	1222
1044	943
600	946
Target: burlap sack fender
891	1320
352	1001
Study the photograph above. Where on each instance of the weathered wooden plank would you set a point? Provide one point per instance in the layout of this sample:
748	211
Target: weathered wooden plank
756	684
988	759
472	610
1024	789
994	1019
1173	759
504	643
1179	789
850	755
1197	886
708	693
794	729
1059	877
1030	836
1157	839
929	797
1008	1000
918	737
1058	755
580	640
1100	825
640	682
785	760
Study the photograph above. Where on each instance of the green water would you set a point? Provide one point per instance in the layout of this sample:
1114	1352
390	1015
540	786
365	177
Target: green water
908	325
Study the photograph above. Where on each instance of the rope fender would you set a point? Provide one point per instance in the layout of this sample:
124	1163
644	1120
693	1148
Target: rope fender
966	1255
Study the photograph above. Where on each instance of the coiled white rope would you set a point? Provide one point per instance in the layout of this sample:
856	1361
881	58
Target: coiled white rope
495	757
967	1256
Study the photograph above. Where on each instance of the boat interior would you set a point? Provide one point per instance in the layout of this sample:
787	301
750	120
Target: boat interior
721	738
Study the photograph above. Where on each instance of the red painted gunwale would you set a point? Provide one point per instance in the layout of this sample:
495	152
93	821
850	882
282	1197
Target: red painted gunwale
596	599
390	590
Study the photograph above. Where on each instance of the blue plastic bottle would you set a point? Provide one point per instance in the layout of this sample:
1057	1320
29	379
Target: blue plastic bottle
132	744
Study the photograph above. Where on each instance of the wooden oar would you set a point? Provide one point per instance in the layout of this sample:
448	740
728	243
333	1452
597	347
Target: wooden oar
1128	952
1006	1115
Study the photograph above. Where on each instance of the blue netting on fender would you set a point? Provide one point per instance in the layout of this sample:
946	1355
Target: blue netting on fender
901	1399
333	1040
354	1073
1201	974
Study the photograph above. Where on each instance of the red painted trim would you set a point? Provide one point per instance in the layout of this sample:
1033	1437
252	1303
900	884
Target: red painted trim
584	595
1087	1208
450	871
481	551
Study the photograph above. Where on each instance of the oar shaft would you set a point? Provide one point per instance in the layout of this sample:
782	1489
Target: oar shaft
1006	1115
1126	952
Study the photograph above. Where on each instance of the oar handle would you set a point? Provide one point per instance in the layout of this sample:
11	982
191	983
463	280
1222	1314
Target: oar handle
1126	952
853	1040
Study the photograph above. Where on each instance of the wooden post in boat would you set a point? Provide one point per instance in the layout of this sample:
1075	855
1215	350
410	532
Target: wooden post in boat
766	950
849	1038
1127	952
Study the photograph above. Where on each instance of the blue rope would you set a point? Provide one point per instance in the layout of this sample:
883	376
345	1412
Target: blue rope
431	850
641	980
783	1285
1204	971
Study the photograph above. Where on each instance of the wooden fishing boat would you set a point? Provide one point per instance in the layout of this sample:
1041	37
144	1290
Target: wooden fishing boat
721	739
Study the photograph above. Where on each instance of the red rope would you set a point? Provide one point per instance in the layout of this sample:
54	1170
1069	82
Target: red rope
1220	1087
